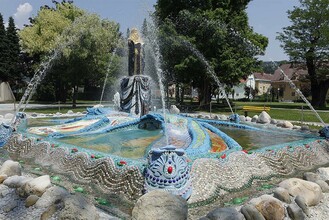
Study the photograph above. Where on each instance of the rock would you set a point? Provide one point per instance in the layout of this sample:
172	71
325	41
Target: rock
264	118
300	201
10	168
50	211
34	115
78	207
216	117
273	121
295	212
174	109
160	204
4	190
223	117
324	186
287	124
296	127
51	196
225	214
9	116
269	207
31	200
16	181
242	118
58	114
3	178
204	218
207	117
323	173
36	186
200	116
254	118
70	112
10	205
282	195
310	191
251	213
305	128
248	118
309	176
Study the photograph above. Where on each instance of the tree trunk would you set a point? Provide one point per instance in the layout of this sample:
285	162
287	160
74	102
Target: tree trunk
319	93
205	93
177	93
75	96
182	95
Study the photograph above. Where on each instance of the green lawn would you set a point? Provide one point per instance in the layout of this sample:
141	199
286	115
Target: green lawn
279	110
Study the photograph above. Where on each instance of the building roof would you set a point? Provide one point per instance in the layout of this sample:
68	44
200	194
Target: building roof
293	73
263	76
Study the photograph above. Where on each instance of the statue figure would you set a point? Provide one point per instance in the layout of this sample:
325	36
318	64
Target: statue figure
135	54
135	96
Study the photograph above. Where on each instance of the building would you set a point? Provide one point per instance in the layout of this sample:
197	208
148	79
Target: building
281	86
263	83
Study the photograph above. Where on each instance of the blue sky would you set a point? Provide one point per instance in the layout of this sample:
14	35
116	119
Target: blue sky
267	17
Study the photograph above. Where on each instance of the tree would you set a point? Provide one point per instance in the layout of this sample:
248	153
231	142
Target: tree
3	51
14	62
84	41
306	41
219	30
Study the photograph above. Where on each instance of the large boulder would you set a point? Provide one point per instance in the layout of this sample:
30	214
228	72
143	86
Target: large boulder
36	186
174	109
310	191
251	213
323	173
78	207
285	124
282	195
159	205
264	118
225	214
10	168
254	118
53	195
16	181
270	207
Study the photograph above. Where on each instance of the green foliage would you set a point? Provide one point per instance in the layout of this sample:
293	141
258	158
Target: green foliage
85	42
306	41
3	51
10	62
14	61
219	30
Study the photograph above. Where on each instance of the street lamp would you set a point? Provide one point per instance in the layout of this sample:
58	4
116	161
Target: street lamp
278	93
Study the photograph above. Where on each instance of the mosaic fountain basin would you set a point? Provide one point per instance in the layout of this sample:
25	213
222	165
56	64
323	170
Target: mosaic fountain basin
119	135
111	150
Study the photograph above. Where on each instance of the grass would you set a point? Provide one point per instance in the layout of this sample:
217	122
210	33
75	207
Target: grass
279	110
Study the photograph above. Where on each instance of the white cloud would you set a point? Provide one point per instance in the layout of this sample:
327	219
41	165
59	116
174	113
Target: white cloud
23	12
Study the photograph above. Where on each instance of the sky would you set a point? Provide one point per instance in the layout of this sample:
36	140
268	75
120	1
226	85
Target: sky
267	17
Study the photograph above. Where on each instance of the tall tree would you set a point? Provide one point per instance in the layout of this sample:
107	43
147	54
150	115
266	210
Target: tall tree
3	51
84	40
219	30
306	41
14	64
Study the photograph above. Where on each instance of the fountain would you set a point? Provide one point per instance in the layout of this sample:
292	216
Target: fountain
136	151
135	89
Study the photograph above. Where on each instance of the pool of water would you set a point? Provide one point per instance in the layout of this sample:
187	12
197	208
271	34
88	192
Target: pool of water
131	143
249	139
